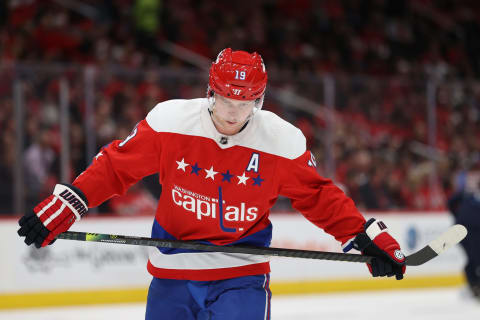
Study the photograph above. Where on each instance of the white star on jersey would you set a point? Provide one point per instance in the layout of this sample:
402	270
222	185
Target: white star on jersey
182	164
98	155
243	179
210	173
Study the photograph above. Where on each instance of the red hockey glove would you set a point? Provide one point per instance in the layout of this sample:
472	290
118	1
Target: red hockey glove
53	215
376	241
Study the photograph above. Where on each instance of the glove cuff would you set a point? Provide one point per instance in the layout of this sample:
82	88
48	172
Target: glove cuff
73	198
375	227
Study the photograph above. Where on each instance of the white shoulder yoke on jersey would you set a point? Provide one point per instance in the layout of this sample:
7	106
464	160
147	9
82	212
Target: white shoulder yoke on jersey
277	136
176	116
265	132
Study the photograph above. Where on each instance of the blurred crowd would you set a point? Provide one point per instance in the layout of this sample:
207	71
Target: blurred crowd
384	58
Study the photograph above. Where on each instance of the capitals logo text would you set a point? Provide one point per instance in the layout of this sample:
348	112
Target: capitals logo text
204	206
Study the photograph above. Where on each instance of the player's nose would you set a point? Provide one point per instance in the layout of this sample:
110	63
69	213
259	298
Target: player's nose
232	113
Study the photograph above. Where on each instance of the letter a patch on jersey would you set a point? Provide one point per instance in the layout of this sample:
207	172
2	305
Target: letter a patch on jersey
253	163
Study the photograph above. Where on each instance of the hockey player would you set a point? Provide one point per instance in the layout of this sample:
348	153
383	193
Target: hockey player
222	163
464	204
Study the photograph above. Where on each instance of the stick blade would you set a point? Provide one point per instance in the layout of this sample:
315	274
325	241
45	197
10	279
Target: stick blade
448	239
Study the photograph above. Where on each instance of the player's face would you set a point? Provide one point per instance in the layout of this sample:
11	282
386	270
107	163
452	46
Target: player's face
230	115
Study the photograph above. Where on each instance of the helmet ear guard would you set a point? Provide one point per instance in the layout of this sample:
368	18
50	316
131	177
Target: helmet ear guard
258	103
210	98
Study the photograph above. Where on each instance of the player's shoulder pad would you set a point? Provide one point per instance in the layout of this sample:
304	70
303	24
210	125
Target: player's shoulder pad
278	136
178	116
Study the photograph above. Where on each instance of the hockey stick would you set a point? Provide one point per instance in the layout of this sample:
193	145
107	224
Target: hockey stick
451	237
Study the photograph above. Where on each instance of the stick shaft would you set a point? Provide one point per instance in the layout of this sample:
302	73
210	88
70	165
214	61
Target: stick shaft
449	238
191	245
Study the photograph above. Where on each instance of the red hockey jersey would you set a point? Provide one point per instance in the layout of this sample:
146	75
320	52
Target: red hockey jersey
216	188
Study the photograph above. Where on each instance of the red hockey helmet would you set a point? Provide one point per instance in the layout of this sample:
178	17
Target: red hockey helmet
238	75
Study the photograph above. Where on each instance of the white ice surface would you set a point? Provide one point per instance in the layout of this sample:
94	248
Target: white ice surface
437	304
